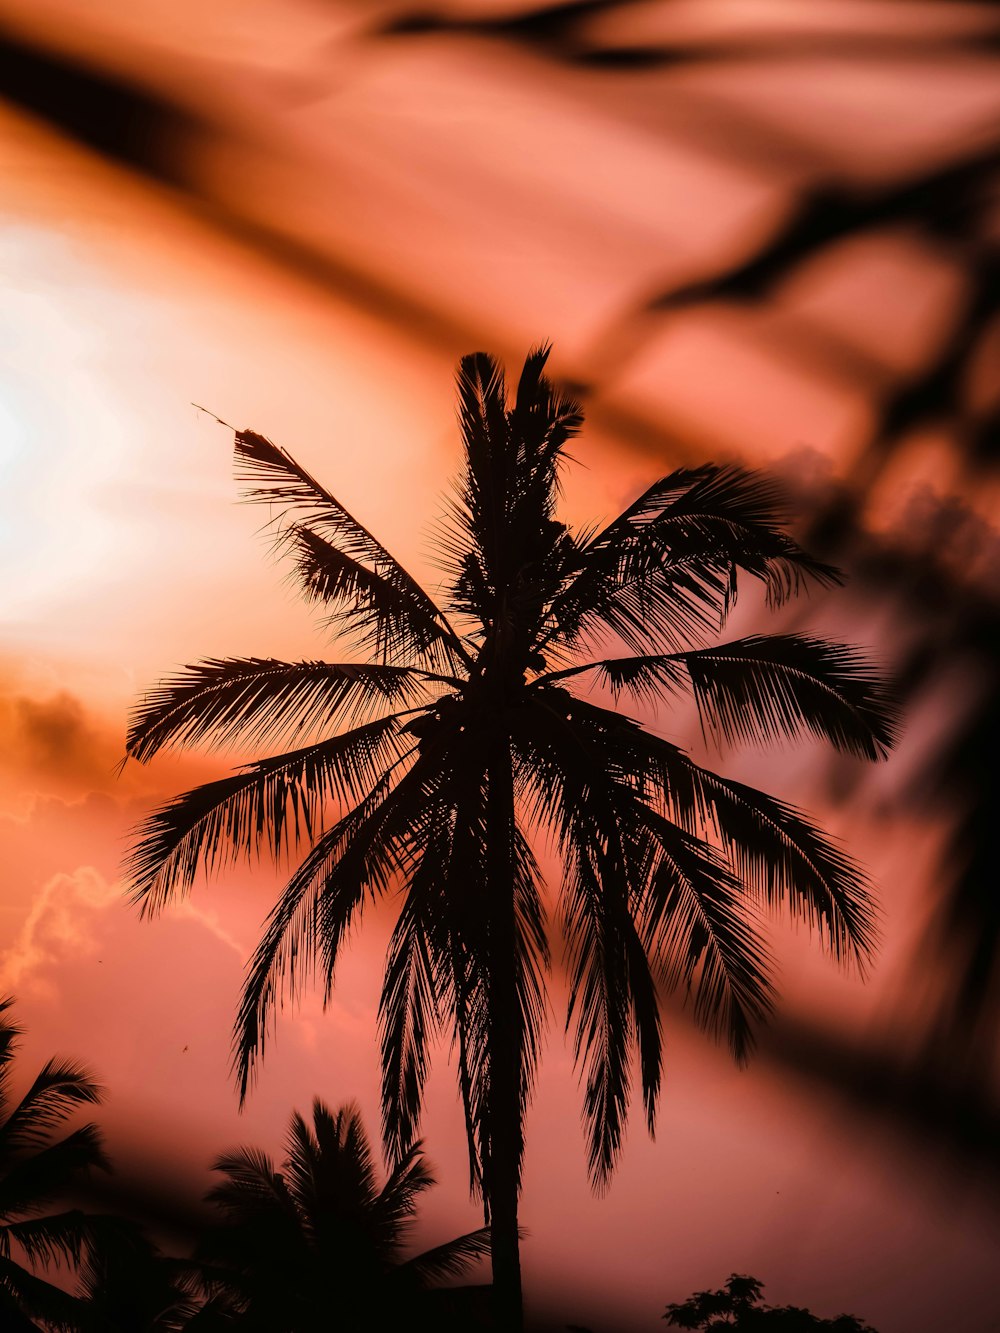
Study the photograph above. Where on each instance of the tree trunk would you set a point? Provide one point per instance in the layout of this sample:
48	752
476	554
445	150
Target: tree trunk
503	1111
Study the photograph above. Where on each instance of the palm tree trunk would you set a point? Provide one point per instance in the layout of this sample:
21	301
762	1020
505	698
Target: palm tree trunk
503	1110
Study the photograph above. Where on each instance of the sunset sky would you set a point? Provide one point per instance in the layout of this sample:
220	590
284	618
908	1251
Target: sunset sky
348	216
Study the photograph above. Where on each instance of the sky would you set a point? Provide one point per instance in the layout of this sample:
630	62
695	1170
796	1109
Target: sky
351	217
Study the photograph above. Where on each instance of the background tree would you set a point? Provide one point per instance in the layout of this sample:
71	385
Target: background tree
319	1243
738	1305
37	1170
455	736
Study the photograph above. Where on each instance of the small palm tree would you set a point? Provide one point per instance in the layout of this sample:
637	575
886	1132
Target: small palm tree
456	734
318	1244
37	1170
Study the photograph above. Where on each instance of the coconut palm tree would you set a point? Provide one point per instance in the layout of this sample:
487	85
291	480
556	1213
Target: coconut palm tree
319	1241
37	1170
452	736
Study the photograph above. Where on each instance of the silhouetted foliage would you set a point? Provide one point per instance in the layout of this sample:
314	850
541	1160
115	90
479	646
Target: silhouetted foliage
37	1170
738	1305
318	1243
129	1286
458	734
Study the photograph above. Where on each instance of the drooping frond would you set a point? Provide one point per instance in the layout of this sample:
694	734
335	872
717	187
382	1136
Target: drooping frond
258	701
358	856
568	783
439	963
270	805
408	1020
611	997
697	922
56	1239
774	849
274	478
25	1298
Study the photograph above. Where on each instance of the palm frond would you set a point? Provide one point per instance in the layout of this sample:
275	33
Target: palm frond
768	686
765	687
273	477
391	1217
450	1260
251	1182
599	955
56	1092
30	1183
665	570
358	856
378	615
774	849
257	701
52	1240
698	925
566	778
330	1165
10	1034
271	805
25	1297
408	1018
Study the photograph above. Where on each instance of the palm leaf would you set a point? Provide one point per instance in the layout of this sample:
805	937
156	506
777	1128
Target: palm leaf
29	1183
274	478
55	1239
763	688
357	856
10	1034
694	918
450	1260
58	1089
768	686
251	1182
408	1018
276	802
259	700
394	1209
774	849
376	613
599	957
665	569
612	996
24	1297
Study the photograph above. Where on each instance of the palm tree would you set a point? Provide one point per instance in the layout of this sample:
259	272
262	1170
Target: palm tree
455	733
128	1286
36	1171
320	1236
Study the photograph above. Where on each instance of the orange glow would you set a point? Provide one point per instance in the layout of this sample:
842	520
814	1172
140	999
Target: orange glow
358	213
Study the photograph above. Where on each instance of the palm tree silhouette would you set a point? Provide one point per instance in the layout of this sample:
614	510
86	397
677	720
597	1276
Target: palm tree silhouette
128	1286
455	733
319	1240
36	1172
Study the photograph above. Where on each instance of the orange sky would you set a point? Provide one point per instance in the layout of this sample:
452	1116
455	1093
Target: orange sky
512	202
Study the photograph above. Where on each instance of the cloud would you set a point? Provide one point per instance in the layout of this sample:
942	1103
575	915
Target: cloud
53	744
60	924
